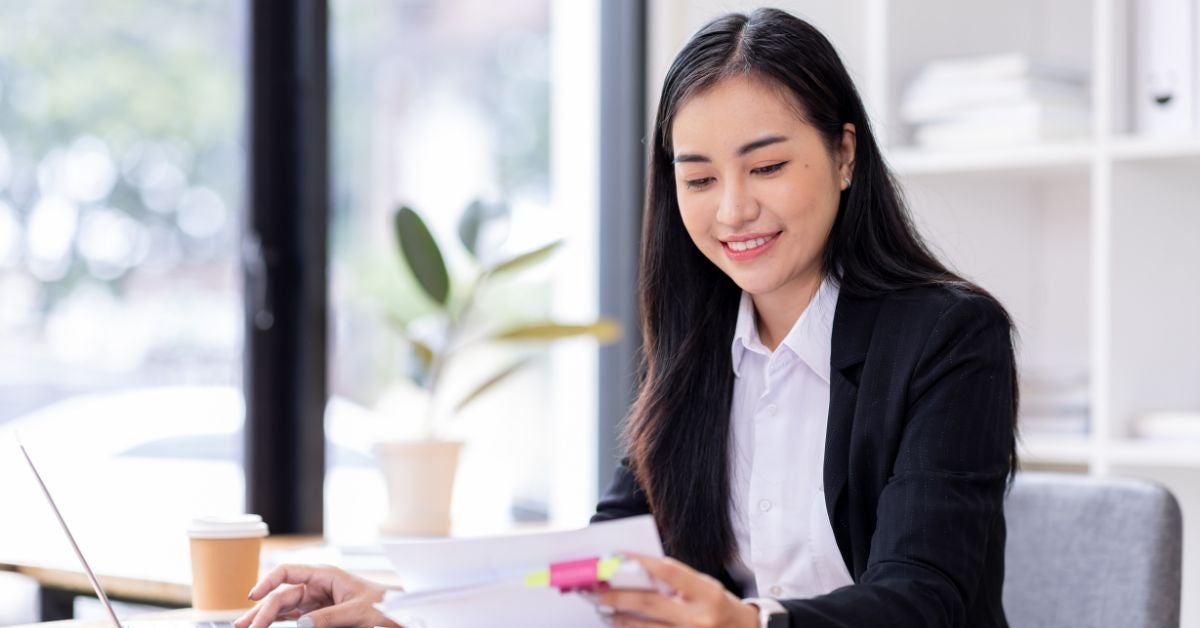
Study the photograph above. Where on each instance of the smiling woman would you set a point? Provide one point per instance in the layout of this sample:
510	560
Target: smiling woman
759	210
825	425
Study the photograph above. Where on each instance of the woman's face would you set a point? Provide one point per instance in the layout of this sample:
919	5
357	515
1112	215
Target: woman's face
758	190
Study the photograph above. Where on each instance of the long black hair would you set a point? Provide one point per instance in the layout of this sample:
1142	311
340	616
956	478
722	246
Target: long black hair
677	433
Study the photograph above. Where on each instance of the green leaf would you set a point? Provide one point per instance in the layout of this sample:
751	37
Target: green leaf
423	351
526	259
604	330
491	382
469	225
422	254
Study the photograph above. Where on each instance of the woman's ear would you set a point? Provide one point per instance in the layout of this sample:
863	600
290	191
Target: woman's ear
846	154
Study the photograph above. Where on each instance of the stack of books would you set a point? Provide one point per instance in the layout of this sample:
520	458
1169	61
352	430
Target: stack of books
1182	426
1054	403
995	100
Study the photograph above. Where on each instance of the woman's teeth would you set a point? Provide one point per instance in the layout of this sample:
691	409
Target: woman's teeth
747	245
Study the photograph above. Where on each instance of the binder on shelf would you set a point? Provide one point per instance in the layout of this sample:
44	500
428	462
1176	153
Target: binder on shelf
1196	67
1165	68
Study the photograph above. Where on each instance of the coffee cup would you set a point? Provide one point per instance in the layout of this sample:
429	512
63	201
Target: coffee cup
225	559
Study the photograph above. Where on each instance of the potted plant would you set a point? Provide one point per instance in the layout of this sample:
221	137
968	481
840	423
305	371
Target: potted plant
419	473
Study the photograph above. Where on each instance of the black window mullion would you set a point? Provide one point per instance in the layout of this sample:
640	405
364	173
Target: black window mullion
285	259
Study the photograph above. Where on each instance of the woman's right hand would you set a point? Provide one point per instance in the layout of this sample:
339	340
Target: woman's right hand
317	596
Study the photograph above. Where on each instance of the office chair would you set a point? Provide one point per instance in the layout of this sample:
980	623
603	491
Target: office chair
1086	551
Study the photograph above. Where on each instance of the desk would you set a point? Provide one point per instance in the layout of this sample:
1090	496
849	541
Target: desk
185	614
159	583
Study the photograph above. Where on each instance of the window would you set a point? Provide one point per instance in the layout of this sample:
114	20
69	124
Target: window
437	105
121	179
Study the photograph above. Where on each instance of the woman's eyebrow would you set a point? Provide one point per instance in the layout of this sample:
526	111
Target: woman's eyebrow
748	148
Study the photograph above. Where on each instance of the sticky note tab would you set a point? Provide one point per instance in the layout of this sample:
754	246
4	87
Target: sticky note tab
538	579
606	568
574	574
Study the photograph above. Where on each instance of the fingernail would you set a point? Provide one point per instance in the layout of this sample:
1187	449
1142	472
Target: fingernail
304	622
605	609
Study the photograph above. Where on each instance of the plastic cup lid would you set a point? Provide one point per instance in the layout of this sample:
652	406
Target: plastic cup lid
234	527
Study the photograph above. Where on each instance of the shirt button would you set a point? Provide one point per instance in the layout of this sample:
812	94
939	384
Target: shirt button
771	409
776	590
764	505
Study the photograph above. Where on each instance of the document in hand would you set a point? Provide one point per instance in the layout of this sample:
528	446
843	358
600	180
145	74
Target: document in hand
482	581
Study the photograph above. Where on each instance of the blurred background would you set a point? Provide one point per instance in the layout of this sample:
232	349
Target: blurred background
204	309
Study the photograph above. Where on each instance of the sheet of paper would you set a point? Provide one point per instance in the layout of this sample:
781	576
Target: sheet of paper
480	582
423	565
493	605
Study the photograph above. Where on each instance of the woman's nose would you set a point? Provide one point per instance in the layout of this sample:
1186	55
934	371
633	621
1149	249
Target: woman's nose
737	205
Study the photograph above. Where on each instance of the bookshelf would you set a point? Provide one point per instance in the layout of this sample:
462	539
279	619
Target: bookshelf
1092	243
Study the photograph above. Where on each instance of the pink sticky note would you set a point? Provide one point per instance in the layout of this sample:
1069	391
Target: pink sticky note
574	574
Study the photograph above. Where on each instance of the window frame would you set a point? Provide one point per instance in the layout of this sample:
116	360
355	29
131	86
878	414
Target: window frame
285	262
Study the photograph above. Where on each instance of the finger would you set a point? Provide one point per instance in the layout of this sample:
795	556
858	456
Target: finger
246	618
285	574
623	620
352	613
276	603
304	605
683	579
651	604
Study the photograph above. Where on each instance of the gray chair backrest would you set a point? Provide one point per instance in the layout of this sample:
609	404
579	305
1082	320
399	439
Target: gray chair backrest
1086	551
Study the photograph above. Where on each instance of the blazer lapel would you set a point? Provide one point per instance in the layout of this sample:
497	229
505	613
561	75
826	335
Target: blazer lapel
853	322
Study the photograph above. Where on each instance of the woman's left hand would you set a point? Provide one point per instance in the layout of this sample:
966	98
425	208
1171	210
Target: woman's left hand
699	600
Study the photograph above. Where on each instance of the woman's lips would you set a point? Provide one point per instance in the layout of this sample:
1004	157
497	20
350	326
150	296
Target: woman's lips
752	248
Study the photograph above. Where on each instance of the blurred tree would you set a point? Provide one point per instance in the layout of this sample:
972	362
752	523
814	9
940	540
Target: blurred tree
159	84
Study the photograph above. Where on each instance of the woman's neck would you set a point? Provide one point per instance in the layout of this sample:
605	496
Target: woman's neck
776	312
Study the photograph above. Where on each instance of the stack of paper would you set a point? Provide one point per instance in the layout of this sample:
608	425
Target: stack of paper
1169	426
996	99
1055	402
481	582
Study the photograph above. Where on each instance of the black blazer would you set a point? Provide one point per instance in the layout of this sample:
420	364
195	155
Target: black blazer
916	462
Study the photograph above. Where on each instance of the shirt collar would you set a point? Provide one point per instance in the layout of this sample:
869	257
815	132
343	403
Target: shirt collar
810	338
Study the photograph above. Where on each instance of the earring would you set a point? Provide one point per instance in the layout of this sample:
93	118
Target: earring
846	180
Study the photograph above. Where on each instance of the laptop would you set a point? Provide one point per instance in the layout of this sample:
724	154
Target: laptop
117	623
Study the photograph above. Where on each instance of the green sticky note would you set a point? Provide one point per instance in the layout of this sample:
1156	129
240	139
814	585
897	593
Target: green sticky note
538	579
606	567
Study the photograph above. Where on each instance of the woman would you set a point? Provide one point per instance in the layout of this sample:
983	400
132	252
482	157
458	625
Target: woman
825	422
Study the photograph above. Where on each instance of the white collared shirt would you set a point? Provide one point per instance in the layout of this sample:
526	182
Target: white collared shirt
785	543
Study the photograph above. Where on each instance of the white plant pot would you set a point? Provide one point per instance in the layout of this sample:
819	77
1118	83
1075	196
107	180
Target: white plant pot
420	483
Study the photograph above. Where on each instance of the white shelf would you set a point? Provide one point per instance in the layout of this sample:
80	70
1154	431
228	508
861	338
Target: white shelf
1038	159
1061	450
1034	448
1129	148
1183	453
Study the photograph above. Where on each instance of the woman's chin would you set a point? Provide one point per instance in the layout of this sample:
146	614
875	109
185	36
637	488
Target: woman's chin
755	286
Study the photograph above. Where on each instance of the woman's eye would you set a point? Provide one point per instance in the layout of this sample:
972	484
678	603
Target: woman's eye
694	184
773	168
